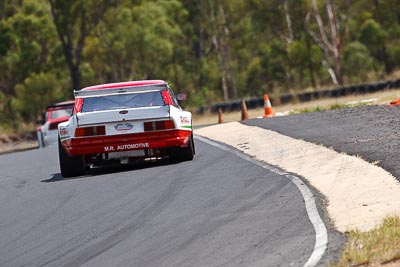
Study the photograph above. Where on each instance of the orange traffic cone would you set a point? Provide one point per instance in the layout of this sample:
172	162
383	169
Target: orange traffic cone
220	116
245	114
267	107
395	103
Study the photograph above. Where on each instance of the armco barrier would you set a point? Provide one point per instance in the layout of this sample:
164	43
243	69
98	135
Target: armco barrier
287	98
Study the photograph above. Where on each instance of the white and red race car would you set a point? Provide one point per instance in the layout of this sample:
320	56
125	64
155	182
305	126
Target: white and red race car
123	123
55	114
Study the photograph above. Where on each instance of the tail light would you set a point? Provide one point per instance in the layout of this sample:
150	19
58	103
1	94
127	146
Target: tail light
167	98
158	125
90	131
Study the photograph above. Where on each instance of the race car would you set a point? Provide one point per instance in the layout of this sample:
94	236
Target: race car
124	123
55	114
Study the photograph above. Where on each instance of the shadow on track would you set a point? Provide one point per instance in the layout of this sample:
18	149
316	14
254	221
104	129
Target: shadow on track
117	168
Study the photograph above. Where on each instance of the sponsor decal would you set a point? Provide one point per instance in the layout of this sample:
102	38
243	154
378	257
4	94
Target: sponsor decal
108	148
123	126
64	131
126	147
185	120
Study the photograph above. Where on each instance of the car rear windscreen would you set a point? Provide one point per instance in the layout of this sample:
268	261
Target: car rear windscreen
123	101
60	113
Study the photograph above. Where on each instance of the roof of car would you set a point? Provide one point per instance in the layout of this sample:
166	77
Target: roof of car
124	84
62	104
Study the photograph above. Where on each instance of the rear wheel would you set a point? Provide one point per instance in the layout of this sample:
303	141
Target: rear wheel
180	154
70	166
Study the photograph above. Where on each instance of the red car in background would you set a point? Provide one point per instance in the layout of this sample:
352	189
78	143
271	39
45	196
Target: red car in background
55	114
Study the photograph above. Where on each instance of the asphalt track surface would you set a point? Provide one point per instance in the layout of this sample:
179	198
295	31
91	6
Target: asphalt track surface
371	132
217	210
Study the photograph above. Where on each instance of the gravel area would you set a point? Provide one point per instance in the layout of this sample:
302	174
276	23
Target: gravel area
370	132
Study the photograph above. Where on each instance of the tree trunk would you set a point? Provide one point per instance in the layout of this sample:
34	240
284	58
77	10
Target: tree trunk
335	40
217	44
73	24
227	54
288	21
333	44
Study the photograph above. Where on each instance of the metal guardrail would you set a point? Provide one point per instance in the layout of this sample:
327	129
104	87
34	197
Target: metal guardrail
256	102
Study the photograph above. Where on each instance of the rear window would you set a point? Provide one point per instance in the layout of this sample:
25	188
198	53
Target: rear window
59	113
123	101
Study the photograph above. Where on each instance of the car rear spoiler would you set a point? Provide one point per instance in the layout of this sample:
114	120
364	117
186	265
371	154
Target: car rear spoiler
62	104
116	91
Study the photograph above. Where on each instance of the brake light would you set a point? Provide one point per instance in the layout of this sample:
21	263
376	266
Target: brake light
158	125
90	131
167	98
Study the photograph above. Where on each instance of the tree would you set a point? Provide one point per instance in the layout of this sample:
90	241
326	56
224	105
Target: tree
214	13
331	39
386	14
27	41
35	93
357	62
9	8
374	37
137	41
74	21
213	50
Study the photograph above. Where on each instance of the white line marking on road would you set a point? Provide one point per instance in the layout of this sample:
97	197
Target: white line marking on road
321	234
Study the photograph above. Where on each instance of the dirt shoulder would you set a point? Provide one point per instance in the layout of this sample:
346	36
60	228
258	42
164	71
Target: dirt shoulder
10	147
359	193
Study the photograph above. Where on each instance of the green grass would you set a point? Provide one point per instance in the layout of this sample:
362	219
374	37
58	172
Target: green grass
376	247
330	107
319	108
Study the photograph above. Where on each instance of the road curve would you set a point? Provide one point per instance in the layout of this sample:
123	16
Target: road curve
218	210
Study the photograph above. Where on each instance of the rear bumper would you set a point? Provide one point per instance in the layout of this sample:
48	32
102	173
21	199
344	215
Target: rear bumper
127	142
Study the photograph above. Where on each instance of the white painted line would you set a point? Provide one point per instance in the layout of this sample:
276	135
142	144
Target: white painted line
321	234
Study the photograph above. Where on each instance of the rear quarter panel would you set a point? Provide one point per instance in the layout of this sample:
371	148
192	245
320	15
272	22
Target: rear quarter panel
66	130
183	119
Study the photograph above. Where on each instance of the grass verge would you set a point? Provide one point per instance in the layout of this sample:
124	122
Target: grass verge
378	247
329	107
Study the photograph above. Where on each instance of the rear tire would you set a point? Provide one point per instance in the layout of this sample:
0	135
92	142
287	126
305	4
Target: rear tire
179	154
70	166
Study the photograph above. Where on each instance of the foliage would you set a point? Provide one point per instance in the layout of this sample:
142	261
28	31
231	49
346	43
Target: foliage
330	107
74	22
32	95
378	246
357	62
211	50
308	110
137	41
29	42
372	34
